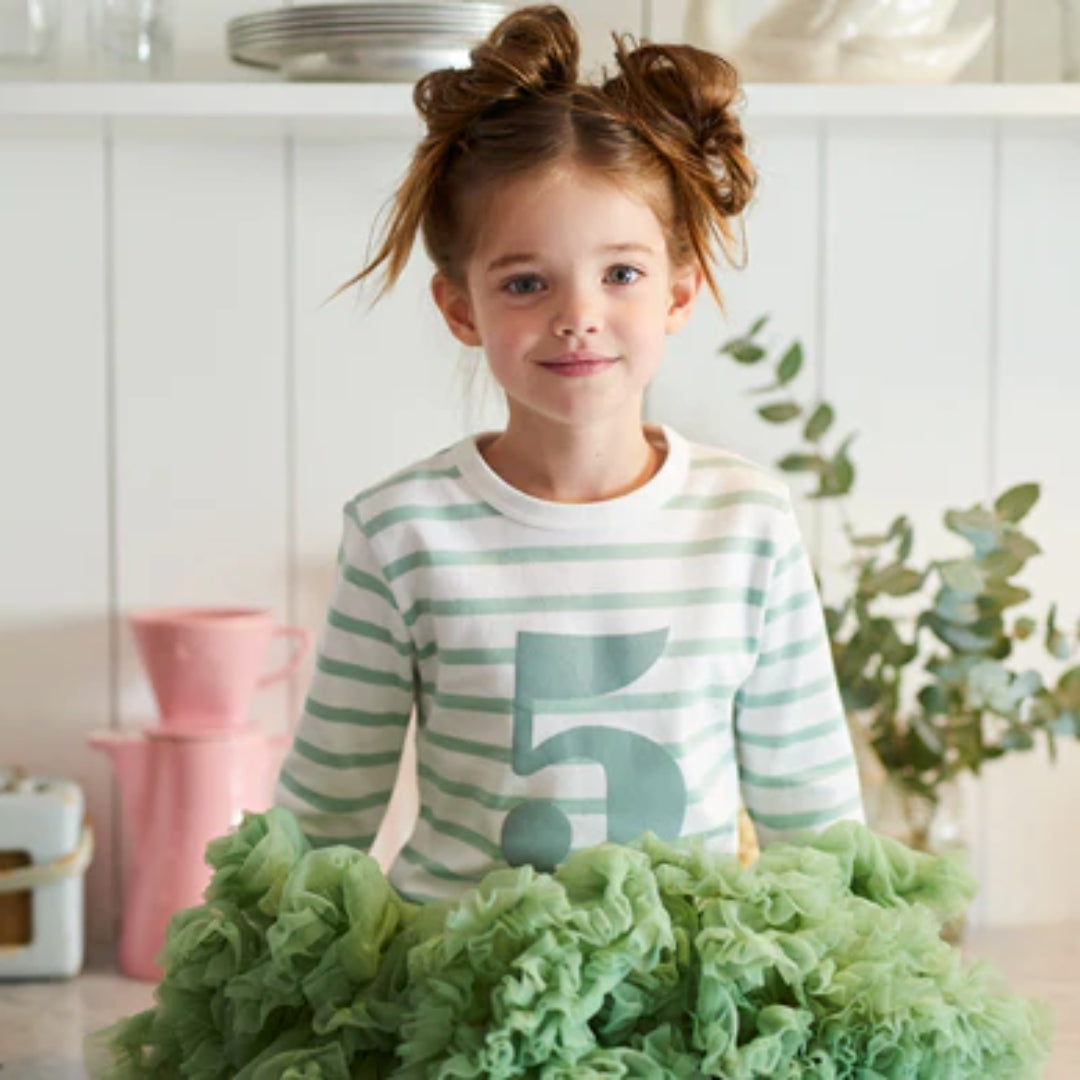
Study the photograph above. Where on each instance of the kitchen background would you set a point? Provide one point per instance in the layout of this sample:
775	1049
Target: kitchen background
184	413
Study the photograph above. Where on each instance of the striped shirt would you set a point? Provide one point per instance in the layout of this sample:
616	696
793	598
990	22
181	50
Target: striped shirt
580	672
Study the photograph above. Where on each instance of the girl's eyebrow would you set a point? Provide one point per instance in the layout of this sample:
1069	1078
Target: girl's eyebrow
508	260
511	259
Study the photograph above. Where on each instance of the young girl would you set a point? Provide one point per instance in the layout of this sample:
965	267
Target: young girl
604	629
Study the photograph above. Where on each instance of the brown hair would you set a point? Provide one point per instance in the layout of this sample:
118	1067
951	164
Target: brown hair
664	124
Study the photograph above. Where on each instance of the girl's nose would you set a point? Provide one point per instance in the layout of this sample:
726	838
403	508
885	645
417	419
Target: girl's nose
578	315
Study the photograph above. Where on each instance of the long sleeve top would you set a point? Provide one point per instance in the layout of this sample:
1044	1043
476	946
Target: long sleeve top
580	672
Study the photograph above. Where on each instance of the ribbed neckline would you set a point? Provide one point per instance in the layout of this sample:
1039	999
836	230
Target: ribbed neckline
577	517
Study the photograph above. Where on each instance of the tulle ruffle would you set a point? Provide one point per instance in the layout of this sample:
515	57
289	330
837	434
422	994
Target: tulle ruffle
822	961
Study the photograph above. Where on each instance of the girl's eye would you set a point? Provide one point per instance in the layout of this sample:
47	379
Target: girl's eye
623	275
523	285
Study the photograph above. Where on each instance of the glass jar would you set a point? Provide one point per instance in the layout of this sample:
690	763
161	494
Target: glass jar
1070	39
132	39
29	30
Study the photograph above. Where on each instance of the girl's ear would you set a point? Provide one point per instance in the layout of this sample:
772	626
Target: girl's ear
685	286
453	301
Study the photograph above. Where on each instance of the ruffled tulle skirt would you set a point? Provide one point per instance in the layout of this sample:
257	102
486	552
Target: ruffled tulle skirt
822	961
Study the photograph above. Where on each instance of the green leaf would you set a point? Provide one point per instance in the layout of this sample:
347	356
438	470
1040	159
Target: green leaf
869	541
1001	563
790	364
991	686
1026	684
802	463
934	700
893	580
962	576
896	652
1023	547
907	542
759	325
1051	746
1057	644
744	352
1015	549
1017	738
1004	595
780	412
897	526
977	525
954	670
1024	627
820	421
859	695
956	607
960	638
1067	722
1016	502
1067	691
928	735
838	478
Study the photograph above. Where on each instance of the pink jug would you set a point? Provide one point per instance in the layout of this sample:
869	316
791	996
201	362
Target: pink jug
178	792
205	664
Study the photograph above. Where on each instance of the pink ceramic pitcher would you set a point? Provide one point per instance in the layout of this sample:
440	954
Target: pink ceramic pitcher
205	664
177	793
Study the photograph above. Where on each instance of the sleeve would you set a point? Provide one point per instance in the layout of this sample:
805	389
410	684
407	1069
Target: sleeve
797	767
340	771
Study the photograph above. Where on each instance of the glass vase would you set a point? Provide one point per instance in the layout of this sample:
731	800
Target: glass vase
934	826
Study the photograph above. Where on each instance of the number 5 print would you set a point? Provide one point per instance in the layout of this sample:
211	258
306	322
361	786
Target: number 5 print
645	785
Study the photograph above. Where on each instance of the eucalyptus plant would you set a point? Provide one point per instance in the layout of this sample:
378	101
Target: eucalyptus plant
936	689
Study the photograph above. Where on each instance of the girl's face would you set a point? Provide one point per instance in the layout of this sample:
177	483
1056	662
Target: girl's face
570	292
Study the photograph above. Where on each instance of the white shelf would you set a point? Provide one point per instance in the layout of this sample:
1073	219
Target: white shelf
379	104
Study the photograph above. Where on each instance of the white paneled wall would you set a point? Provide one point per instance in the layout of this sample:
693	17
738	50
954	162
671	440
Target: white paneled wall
929	271
202	450
1036	380
183	416
704	392
56	569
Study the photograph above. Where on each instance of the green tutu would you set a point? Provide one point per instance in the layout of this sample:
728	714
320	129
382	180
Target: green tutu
822	961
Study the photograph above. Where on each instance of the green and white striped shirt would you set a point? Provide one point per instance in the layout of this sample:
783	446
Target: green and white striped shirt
581	672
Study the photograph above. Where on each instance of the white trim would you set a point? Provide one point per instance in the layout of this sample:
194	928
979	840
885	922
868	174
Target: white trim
376	104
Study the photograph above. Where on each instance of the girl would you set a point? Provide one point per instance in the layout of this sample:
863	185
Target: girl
604	629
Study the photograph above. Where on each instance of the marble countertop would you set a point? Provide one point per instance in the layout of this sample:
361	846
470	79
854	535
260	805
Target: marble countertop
42	1024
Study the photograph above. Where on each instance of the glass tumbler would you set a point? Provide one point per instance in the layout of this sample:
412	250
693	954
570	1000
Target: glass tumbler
28	31
1070	39
132	38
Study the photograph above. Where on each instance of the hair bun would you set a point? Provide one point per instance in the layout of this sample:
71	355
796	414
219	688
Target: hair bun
679	93
530	52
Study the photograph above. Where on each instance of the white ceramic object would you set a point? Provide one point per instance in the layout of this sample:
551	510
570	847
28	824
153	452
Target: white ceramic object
710	24
902	18
932	59
858	41
779	59
841	20
43	818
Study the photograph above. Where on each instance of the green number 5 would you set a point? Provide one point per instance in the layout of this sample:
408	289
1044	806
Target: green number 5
645	785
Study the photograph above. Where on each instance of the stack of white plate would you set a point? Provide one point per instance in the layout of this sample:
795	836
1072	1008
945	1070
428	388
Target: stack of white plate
366	42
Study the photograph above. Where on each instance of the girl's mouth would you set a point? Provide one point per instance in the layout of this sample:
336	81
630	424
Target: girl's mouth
578	364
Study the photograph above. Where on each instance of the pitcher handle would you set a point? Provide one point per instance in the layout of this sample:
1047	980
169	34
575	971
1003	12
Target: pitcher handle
305	639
